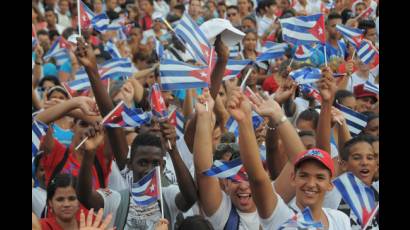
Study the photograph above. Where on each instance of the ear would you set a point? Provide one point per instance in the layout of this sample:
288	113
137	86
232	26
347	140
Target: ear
343	165
292	179
330	186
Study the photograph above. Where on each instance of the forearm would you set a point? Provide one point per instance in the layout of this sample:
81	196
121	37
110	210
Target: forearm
343	135
291	141
37	73
324	127
185	181
187	107
35	101
275	159
142	73
190	134
221	113
217	75
138	90
86	195
56	112
77	113
289	107
260	184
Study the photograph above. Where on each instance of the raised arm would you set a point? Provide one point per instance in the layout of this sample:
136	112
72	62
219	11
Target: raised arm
342	137
187	107
188	192
116	136
327	88
38	66
218	72
86	194
261	187
342	84
285	96
210	193
34	100
275	159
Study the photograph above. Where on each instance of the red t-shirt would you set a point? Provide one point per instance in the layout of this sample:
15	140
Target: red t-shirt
72	165
50	224
146	22
270	84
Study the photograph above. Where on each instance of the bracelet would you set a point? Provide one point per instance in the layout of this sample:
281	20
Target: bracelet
38	63
282	120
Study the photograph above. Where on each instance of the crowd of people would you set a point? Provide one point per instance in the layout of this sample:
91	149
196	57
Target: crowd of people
288	160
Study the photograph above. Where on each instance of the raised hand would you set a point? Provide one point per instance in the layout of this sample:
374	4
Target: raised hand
95	136
169	133
337	116
39	53
87	105
238	105
286	91
97	225
349	66
52	102
85	54
221	49
203	99
267	107
327	85
162	224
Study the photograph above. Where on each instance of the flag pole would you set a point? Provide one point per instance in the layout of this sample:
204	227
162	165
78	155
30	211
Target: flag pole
291	61
246	78
324	49
371	217
354	52
158	174
103	120
79	17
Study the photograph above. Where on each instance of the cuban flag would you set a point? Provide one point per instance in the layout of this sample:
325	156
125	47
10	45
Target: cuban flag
33	36
38	130
356	122
234	67
157	102
303	52
233	127
116	67
112	49
196	41
366	52
368	86
306	75
179	75
272	50
310	91
228	169
302	220
147	190
304	29
353	35
81	83
58	50
100	22
366	13
177	120
116	24
86	15
357	195
122	116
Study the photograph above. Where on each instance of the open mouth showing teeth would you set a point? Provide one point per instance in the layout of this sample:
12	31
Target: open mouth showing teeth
244	195
364	172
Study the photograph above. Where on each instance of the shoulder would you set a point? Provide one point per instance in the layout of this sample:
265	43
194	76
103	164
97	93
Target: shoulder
337	217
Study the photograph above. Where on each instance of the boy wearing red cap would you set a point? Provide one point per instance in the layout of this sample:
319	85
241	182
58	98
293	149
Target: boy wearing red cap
364	99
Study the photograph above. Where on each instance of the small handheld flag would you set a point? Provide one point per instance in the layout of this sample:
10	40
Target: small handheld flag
302	220
356	122
147	190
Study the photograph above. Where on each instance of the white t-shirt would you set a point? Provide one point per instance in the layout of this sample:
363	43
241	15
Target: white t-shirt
263	24
247	221
116	180
38	200
312	7
356	80
112	201
282	213
64	19
162	7
150	34
145	217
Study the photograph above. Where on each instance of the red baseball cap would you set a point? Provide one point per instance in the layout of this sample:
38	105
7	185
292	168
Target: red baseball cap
360	92
319	155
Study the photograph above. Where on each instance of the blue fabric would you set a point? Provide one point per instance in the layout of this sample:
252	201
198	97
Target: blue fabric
50	69
66	67
62	135
180	94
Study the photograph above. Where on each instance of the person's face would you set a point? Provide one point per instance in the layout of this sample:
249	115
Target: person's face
248	24
278	62
372	127
304	125
371	35
50	18
222	95
136	35
309	141
303	2
284	4
311	180
243	6
58	95
273	9
145	158
98	6
221	11
361	162
63	5
364	104
47	85
251	81
349	102
195	8
339	4
145	6
233	16
241	195
249	41
64	203
111	4
78	129
331	28
157	25
359	9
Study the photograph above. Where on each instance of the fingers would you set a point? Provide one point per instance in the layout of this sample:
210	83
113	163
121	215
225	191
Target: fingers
90	217
82	219
97	220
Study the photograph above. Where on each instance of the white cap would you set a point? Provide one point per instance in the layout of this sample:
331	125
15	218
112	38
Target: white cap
73	38
230	35
156	15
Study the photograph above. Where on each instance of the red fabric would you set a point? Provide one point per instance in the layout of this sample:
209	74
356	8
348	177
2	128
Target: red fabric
50	224
319	155
147	21
270	84
72	165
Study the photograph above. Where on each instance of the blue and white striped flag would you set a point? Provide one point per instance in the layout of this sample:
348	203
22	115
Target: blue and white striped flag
159	48
353	35
224	169
366	52
306	75
196	42
357	195
233	127
38	130
58	50
180	75
272	50
126	117
374	88
234	68
304	29
303	220
147	190
100	22
112	49
356	122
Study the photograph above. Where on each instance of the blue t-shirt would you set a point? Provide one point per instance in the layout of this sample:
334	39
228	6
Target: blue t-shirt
66	67
332	52
64	136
